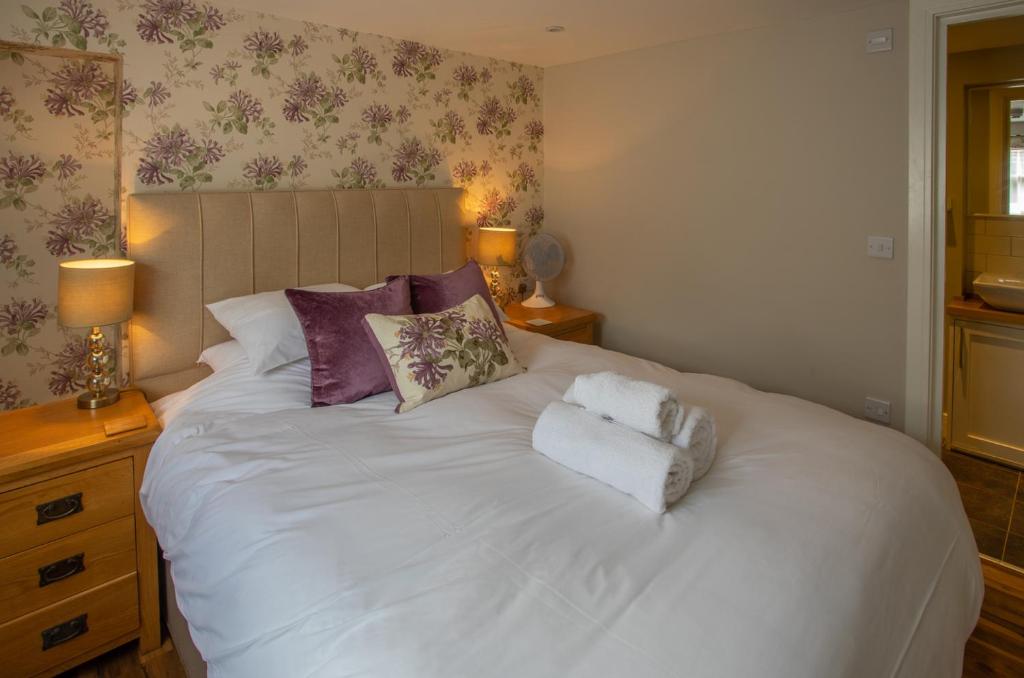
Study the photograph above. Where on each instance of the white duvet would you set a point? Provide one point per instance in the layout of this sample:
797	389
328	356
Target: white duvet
353	541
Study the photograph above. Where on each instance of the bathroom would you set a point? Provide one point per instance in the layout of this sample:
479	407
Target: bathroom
983	403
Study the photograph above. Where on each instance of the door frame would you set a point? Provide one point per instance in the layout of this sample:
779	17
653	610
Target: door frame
926	215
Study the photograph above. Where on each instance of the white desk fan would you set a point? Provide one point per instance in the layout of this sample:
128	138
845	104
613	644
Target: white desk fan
543	259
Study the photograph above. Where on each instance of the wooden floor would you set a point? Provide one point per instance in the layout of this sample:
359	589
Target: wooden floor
124	663
995	649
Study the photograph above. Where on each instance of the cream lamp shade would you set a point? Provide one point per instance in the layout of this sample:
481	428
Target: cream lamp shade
95	292
496	246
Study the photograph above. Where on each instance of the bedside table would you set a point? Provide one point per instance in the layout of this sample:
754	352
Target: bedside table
567	323
78	563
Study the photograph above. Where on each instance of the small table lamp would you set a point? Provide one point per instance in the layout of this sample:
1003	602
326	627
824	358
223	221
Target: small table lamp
496	247
91	293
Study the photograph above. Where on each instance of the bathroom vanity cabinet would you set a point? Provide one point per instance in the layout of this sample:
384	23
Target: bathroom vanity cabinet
987	390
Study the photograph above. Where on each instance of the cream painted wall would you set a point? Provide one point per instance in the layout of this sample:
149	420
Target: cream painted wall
715	244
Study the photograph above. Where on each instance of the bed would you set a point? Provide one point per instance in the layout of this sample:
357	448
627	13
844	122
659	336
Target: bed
351	541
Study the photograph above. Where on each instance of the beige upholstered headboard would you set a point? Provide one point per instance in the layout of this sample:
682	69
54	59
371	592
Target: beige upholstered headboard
192	249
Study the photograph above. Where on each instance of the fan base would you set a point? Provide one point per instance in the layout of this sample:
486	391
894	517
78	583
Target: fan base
539	298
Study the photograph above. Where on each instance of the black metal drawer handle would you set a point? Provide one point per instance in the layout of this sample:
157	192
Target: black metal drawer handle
61	570
59	508
62	633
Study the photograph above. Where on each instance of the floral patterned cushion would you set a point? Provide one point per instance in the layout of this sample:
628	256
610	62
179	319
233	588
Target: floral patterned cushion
433	354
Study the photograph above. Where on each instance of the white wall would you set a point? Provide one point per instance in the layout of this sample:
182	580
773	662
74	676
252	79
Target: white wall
715	196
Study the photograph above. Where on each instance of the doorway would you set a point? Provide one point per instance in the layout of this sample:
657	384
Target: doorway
983	327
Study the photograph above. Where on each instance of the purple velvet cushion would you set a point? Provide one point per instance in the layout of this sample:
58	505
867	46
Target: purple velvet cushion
343	361
436	293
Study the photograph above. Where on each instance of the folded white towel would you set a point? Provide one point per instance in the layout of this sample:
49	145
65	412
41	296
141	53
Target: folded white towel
640	405
653	472
700	437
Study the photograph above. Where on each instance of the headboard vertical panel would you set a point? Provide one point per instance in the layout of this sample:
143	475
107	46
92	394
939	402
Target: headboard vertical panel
275	246
168	311
391	212
193	249
357	240
424	233
454	222
318	237
227	227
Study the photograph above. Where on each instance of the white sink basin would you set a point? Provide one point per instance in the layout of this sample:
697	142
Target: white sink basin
1005	292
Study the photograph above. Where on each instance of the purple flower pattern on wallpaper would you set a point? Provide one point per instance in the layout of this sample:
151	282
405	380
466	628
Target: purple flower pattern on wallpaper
360	173
219	98
360	65
10	396
378	117
523	177
6	101
263	172
70	24
19	175
237	113
83	225
534	134
413	59
174	155
80	88
414	161
311	100
20	320
180	22
265	49
450	128
464	172
496	210
20	265
156	94
466	77
66	367
495	118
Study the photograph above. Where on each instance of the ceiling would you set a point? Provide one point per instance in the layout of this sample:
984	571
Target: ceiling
514	29
991	34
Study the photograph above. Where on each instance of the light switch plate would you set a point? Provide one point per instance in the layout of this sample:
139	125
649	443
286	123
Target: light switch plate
877	409
878	41
880	246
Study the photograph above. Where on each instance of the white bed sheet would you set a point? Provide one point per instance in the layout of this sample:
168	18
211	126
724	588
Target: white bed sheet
351	541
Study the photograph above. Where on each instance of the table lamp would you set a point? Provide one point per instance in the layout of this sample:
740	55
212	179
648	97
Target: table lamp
92	293
496	247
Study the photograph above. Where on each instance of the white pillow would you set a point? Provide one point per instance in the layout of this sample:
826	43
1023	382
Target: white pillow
222	355
266	326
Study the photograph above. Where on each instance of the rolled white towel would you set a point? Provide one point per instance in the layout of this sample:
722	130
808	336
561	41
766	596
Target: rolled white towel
700	436
654	472
640	405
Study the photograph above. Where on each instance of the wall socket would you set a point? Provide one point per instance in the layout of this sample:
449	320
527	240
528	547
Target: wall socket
877	409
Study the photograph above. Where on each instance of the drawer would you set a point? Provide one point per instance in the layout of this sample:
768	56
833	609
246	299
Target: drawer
40	513
47	574
581	335
53	635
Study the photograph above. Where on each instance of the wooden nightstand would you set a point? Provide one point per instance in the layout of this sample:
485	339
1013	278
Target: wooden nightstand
78	563
567	323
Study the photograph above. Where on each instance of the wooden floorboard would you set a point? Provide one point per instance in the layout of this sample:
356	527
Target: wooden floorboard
124	663
996	648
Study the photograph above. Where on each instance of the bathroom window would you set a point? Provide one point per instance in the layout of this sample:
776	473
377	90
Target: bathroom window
1016	172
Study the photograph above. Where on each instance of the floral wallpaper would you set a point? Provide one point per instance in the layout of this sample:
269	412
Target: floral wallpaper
58	192
218	98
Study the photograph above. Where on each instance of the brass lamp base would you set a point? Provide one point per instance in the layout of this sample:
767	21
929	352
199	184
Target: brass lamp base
94	401
98	394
